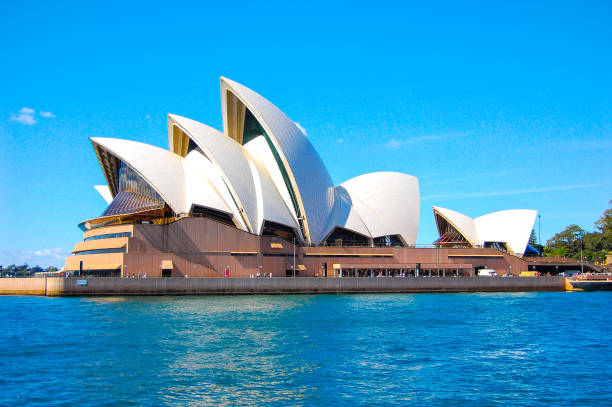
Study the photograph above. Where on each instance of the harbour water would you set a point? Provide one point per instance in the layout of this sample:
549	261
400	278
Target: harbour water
519	349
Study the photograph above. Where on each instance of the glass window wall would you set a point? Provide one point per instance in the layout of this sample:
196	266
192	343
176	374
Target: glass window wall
109	236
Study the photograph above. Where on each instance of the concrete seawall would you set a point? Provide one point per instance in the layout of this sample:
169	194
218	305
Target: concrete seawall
304	285
23	286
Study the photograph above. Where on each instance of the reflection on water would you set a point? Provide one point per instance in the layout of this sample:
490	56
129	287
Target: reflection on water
398	349
104	300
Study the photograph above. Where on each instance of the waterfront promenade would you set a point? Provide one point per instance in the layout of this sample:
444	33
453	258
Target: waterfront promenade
74	286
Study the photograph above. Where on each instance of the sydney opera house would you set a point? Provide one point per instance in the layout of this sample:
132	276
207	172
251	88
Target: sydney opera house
256	199
505	230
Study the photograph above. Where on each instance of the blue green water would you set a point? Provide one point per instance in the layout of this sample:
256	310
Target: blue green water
526	349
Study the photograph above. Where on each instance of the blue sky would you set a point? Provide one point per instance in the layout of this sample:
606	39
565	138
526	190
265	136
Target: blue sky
492	105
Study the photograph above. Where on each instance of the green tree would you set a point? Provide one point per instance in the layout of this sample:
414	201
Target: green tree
22	271
565	243
533	240
595	245
36	269
604	226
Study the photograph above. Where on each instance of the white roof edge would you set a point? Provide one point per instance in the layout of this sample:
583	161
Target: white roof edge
461	222
105	192
512	226
138	156
387	202
308	176
229	158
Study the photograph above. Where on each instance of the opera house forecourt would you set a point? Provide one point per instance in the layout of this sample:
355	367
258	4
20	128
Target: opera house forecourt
256	199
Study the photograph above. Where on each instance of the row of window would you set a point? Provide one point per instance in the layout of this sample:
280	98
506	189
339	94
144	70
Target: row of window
109	236
98	273
102	251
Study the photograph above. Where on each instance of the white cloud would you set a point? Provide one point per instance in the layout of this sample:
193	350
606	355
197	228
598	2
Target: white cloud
394	143
397	143
584	145
57	252
340	140
147	116
511	192
25	116
43	257
569	215
24	119
468	177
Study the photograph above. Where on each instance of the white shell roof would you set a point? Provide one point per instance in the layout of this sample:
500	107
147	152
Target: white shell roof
387	202
345	215
160	168
246	181
200	189
311	182
231	161
464	224
258	149
104	190
511	226
269	202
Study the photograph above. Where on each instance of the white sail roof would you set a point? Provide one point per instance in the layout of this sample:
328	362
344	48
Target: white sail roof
308	177
105	192
276	176
387	202
345	215
162	169
200	188
462	223
258	149
271	206
511	226
231	162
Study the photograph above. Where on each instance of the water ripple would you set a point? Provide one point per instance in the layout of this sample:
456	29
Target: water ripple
524	349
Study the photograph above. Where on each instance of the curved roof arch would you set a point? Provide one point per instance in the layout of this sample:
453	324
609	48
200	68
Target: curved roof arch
345	215
259	150
105	192
307	178
199	187
271	206
462	223
511	226
230	160
387	202
162	169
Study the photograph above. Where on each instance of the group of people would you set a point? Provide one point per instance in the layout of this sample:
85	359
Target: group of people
139	275
400	275
259	275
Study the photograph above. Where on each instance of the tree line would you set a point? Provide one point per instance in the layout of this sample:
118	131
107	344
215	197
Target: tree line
595	245
23	270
